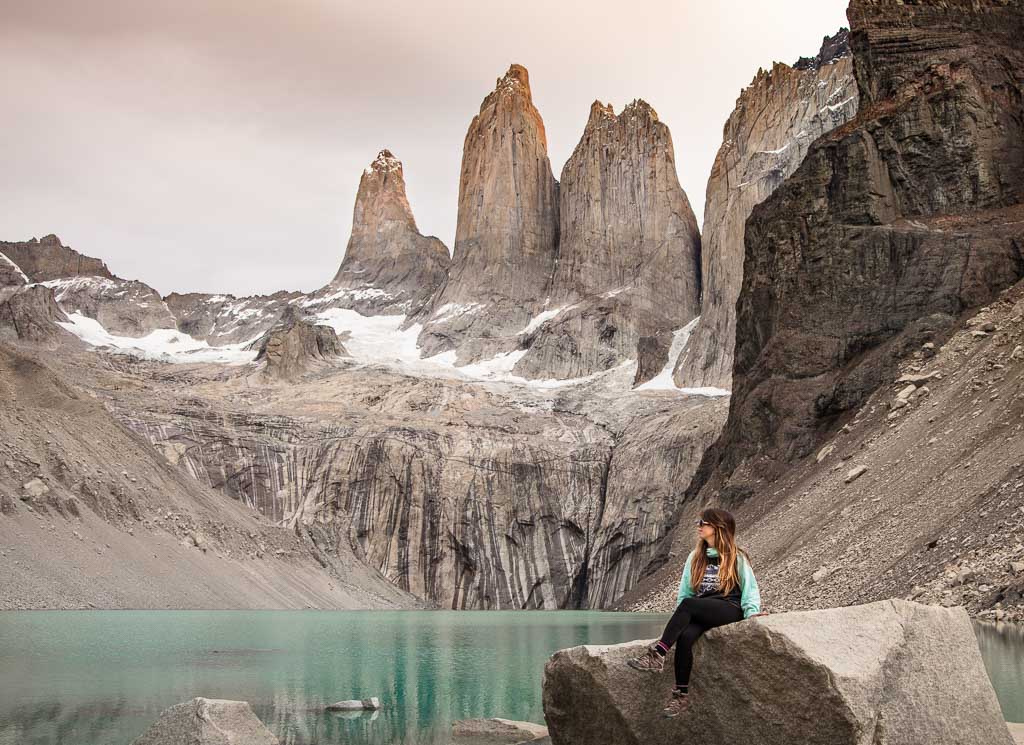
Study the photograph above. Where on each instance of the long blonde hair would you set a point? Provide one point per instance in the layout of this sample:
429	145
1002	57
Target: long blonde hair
728	552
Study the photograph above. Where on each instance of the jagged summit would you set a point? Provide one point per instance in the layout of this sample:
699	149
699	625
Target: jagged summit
605	113
46	258
385	162
832	48
516	80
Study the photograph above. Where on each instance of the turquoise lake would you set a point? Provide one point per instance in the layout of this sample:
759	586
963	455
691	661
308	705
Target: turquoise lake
102	677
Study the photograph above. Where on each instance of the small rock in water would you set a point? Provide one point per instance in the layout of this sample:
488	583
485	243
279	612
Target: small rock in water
356	704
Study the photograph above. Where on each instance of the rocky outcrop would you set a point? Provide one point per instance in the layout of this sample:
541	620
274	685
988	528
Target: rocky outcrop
629	248
225	319
208	721
506	237
11	274
122	307
893	225
295	345
776	120
83	284
30	314
887	673
47	258
388	266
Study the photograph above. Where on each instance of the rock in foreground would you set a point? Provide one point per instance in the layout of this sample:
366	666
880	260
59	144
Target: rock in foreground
885	673
208	721
497	732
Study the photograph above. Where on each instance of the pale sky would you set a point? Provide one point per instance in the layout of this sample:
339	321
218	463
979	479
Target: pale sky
216	145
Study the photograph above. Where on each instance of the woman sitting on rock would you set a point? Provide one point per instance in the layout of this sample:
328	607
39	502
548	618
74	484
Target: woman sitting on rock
717	588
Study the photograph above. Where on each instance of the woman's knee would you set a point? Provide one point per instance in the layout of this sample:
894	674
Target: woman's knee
691	634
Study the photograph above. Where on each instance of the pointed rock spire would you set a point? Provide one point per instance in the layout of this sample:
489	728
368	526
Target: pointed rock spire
388	262
507	232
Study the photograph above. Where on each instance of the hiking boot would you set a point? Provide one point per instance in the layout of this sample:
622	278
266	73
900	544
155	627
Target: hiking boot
649	661
679	704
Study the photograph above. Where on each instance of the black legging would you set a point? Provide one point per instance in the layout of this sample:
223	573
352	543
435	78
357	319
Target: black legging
692	618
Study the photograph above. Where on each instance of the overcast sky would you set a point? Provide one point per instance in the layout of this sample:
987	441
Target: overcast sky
216	145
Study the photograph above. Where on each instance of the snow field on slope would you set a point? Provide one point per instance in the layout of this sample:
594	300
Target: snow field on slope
663	381
167	345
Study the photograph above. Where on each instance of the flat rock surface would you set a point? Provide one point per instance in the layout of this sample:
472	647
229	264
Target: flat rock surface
496	731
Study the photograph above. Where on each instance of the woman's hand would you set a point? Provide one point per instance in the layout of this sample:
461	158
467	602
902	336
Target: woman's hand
758	615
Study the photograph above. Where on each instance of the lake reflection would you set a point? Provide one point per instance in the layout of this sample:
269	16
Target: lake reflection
102	677
1002	647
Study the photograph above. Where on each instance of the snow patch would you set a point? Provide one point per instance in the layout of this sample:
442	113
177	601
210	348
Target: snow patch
541	318
61	287
166	345
663	381
363	293
450	310
373	339
836	107
782	149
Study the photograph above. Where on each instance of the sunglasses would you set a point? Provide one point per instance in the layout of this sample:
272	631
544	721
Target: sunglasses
702	522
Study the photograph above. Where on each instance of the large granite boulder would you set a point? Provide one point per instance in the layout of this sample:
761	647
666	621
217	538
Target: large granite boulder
208	721
885	673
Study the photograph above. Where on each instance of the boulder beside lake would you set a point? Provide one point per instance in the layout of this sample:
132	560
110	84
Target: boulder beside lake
496	731
208	721
886	673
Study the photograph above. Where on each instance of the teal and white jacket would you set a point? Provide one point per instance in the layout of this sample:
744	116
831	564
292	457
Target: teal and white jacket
750	594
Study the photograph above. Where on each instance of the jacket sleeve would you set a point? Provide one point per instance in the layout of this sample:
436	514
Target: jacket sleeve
750	593
685	585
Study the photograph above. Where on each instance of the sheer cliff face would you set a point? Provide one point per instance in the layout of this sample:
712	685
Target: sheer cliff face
506	236
629	248
897	221
388	264
777	118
